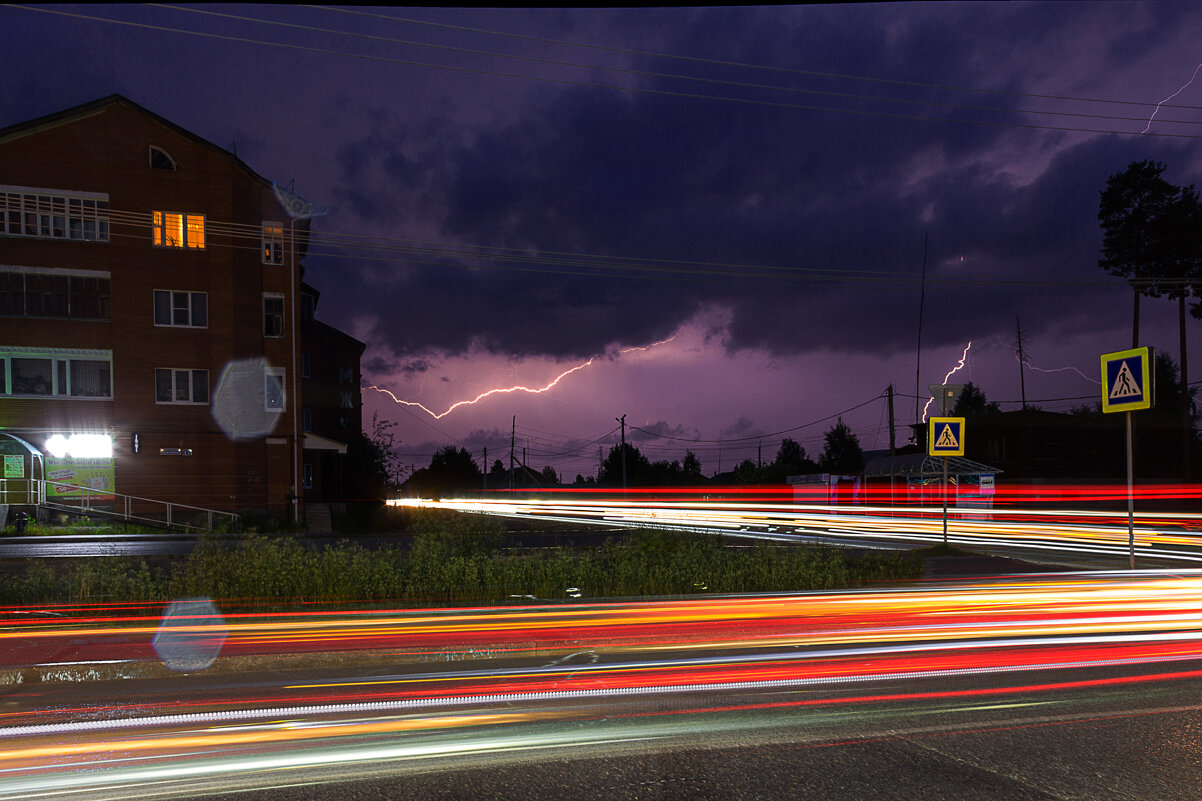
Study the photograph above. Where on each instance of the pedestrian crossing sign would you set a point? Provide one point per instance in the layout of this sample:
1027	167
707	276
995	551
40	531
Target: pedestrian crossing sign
1127	380
945	436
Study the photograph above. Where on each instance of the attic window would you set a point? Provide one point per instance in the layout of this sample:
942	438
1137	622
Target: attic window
160	159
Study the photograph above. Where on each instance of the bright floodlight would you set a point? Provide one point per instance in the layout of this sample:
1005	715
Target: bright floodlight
80	446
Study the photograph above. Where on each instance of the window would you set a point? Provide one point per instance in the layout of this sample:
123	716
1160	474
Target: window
273	391
306	419
46	292
307	476
306	365
160	159
181	385
53	214
177	230
273	315
56	373
273	243
308	306
187	309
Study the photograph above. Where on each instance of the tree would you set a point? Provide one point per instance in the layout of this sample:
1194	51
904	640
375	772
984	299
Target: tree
637	467
451	470
691	467
1132	212
372	469
842	453
549	476
972	403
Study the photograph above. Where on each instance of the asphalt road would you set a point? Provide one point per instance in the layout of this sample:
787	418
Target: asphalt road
1036	735
1041	687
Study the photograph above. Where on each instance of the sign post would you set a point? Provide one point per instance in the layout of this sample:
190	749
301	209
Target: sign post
1128	385
945	437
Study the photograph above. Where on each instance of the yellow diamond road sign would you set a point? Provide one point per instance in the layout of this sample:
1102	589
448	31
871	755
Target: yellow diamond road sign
945	436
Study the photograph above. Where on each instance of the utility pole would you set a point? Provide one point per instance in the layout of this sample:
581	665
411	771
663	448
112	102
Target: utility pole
1022	357
622	421
600	462
892	426
512	431
759	455
922	297
486	469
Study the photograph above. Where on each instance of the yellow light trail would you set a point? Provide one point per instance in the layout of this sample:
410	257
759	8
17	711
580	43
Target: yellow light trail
518	388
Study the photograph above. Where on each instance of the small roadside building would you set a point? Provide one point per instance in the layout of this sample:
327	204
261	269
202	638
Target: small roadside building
916	479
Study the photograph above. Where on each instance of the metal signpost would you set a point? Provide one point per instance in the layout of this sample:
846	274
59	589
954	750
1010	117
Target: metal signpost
1127	386
945	437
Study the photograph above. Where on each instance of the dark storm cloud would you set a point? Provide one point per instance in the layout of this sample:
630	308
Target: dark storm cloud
607	173
659	430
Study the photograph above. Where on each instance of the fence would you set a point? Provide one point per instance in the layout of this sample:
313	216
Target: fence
130	508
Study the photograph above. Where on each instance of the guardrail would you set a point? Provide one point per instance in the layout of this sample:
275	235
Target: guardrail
130	508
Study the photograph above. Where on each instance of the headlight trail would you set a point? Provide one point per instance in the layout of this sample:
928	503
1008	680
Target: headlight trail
695	661
1073	520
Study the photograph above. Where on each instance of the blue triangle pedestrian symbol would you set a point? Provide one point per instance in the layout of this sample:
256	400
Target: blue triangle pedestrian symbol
947	439
1125	384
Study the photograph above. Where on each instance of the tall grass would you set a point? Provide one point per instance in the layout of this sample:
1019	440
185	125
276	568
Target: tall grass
457	561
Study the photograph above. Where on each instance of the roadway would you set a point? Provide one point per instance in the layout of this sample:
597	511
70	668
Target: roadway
1049	686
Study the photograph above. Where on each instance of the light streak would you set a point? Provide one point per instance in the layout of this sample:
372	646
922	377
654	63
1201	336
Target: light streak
951	372
1167	99
1059	370
520	388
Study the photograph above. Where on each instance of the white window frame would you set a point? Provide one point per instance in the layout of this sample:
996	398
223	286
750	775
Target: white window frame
161	237
272	238
170	159
270	374
274	296
171	298
60	371
188	375
64	214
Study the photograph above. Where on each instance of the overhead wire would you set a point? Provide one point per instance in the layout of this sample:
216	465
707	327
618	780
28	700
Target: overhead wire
595	85
664	75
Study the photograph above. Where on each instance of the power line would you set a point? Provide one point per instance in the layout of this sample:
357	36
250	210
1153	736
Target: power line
594	85
747	65
650	74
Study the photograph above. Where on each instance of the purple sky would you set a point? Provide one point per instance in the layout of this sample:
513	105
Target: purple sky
515	192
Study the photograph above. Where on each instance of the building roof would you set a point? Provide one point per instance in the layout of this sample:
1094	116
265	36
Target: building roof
99	106
921	464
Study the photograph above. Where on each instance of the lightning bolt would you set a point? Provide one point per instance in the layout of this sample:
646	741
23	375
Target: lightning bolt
506	390
1170	97
950	373
1059	370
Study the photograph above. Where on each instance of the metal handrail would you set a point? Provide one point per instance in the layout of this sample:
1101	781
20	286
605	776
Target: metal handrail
89	496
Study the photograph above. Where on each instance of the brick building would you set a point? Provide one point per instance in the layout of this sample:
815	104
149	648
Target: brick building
149	299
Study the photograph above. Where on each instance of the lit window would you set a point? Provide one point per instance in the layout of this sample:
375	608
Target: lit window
181	386
273	243
273	315
178	230
187	309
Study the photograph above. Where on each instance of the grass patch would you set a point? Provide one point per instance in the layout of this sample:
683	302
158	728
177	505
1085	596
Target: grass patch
454	560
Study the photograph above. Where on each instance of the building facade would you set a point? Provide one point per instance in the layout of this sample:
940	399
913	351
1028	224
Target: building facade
149	293
331	404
